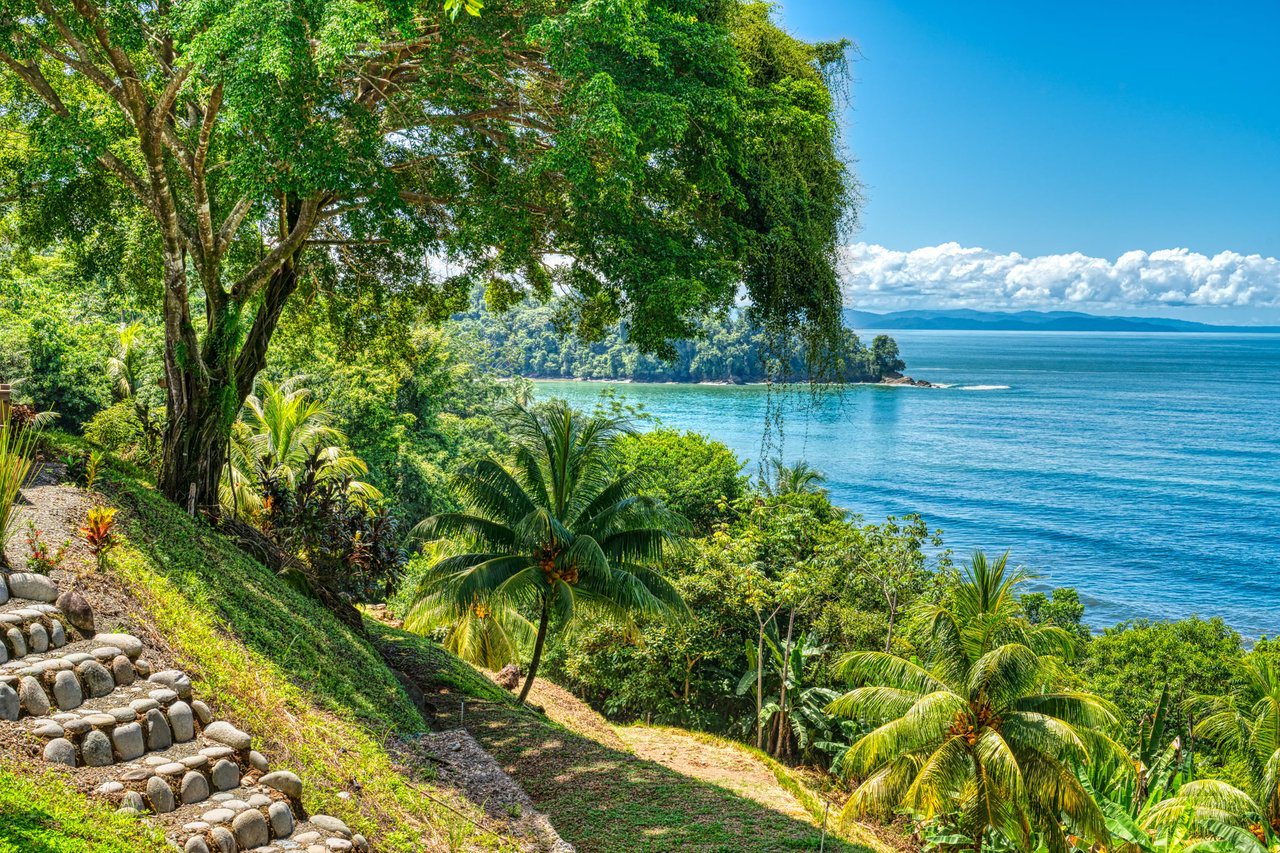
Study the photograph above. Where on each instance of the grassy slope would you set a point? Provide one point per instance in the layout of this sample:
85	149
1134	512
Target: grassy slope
600	798
40	814
318	694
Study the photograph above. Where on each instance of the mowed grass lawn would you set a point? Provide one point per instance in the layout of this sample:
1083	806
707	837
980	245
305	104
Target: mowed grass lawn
601	799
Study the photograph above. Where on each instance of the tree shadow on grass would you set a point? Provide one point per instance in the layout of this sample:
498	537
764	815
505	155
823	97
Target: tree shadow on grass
602	799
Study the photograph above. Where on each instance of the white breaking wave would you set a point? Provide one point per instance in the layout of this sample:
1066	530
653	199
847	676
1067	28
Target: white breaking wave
983	388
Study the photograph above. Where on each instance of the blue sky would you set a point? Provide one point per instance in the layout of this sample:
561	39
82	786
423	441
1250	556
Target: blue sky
1069	131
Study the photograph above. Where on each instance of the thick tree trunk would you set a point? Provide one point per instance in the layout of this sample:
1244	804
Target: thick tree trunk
537	651
195	449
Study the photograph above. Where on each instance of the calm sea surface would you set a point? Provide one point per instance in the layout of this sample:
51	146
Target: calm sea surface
1143	470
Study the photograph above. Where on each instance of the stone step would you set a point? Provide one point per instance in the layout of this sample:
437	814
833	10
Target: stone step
29	587
32	629
37	685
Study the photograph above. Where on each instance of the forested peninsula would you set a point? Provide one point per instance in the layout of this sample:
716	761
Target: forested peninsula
530	340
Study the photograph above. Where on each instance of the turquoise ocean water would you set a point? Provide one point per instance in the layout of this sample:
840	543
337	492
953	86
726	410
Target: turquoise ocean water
1144	470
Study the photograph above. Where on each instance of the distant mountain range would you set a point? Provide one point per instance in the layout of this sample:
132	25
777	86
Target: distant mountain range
1031	321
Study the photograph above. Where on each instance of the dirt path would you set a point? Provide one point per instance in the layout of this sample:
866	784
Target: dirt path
719	765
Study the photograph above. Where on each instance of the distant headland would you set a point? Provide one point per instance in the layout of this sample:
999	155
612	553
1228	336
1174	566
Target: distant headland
1032	321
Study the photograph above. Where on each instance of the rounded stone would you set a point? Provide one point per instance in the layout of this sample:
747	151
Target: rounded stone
127	644
216	752
182	721
110	788
57	634
17	642
195	844
78	726
227	734
218	816
225	775
339	845
251	829
317	848
106	653
330	824
194	788
60	751
32	587
164	696
66	691
32	697
158	734
160	795
140	774
77	610
96	679
142	668
196	826
10	704
171	768
142	706
100	721
154	761
123	715
260	801
307	837
176	680
4	591
96	750
129	742
4	653
77	658
49	730
223	840
285	782
133	800
360	842
196	762
258	761
37	638
281	819
122	671
235	805
203	714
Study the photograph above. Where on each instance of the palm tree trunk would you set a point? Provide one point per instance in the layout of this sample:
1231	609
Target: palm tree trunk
537	650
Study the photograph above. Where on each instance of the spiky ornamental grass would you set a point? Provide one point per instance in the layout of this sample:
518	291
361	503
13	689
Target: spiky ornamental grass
978	733
557	531
17	458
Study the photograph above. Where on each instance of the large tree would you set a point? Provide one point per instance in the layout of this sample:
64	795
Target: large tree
228	156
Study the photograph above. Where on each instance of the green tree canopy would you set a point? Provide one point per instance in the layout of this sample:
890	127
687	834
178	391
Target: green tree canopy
222	156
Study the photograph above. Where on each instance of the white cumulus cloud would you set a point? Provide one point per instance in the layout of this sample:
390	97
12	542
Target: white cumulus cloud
953	276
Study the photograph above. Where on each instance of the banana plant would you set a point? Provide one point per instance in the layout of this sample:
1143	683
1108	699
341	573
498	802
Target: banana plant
800	715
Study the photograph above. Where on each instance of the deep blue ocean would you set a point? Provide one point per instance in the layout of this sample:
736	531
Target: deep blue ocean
1144	470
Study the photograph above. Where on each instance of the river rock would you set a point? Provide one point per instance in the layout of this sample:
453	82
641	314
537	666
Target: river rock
4	591
195	844
142	668
225	775
122	670
32	587
330	824
281	819
17	642
203	714
129	741
66	691
105	654
77	610
10	704
159	735
123	715
360	842
338	845
57	634
32	697
164	696
182	722
196	762
49	730
160	795
218	816
77	726
307	837
60	751
223	840
225	733
176	680
142	706
194	788
4	651
258	761
285	782
251	829
175	769
133	800
96	750
97	681
259	801
37	639
126	643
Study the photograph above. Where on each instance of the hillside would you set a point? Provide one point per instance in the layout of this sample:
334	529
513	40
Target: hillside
352	716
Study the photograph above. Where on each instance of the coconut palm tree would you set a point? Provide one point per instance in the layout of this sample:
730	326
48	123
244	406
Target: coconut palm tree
557	530
977	733
1247	722
800	478
127	365
279	430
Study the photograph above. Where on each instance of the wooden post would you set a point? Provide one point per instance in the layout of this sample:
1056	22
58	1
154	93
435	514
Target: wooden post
6	395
